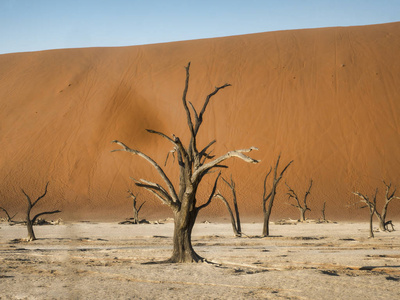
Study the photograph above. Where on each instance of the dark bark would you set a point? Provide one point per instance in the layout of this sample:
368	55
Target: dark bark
371	204
193	166
183	251
31	221
389	196
270	197
267	212
303	208
237	229
31	233
371	228
387	223
238	225
323	212
303	215
9	217
233	222
381	221
136	210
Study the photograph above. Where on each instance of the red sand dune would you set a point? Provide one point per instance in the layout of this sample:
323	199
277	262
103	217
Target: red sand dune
327	98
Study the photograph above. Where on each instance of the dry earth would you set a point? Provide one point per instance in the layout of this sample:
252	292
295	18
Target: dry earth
110	261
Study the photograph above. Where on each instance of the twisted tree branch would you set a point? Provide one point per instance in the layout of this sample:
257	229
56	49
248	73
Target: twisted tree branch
171	189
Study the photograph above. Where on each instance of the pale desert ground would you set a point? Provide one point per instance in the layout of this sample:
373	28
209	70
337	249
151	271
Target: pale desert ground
86	260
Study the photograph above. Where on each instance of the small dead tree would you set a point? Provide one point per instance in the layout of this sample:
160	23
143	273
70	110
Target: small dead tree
371	204
9	217
135	219
270	197
323	219
31	221
237	230
302	207
389	196
193	165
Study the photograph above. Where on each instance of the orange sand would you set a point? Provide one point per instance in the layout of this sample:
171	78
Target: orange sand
327	98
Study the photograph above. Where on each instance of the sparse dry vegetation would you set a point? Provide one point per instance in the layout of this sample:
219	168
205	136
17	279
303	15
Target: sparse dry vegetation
9	217
269	197
237	229
135	219
389	196
30	221
303	207
193	165
372	205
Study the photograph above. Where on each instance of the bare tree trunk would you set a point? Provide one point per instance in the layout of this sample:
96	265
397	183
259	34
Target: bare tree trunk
235	229
135	216
135	219
383	224
303	215
183	251
184	220
135	210
323	212
302	208
381	221
239	227
9	218
232	186
270	197
31	221
371	204
387	223
193	165
371	228
31	234
388	198
267	214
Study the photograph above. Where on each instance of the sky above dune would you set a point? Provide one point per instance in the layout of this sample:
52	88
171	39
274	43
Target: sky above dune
27	25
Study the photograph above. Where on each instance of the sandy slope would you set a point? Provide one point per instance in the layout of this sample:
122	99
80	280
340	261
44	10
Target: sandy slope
327	98
106	261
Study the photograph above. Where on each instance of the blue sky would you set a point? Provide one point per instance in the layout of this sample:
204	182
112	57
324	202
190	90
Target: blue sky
31	25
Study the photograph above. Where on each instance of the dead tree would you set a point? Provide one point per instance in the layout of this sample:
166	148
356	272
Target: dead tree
389	196
302	207
9	218
193	165
323	212
371	204
387	223
135	219
383	225
270	197
237	230
31	221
